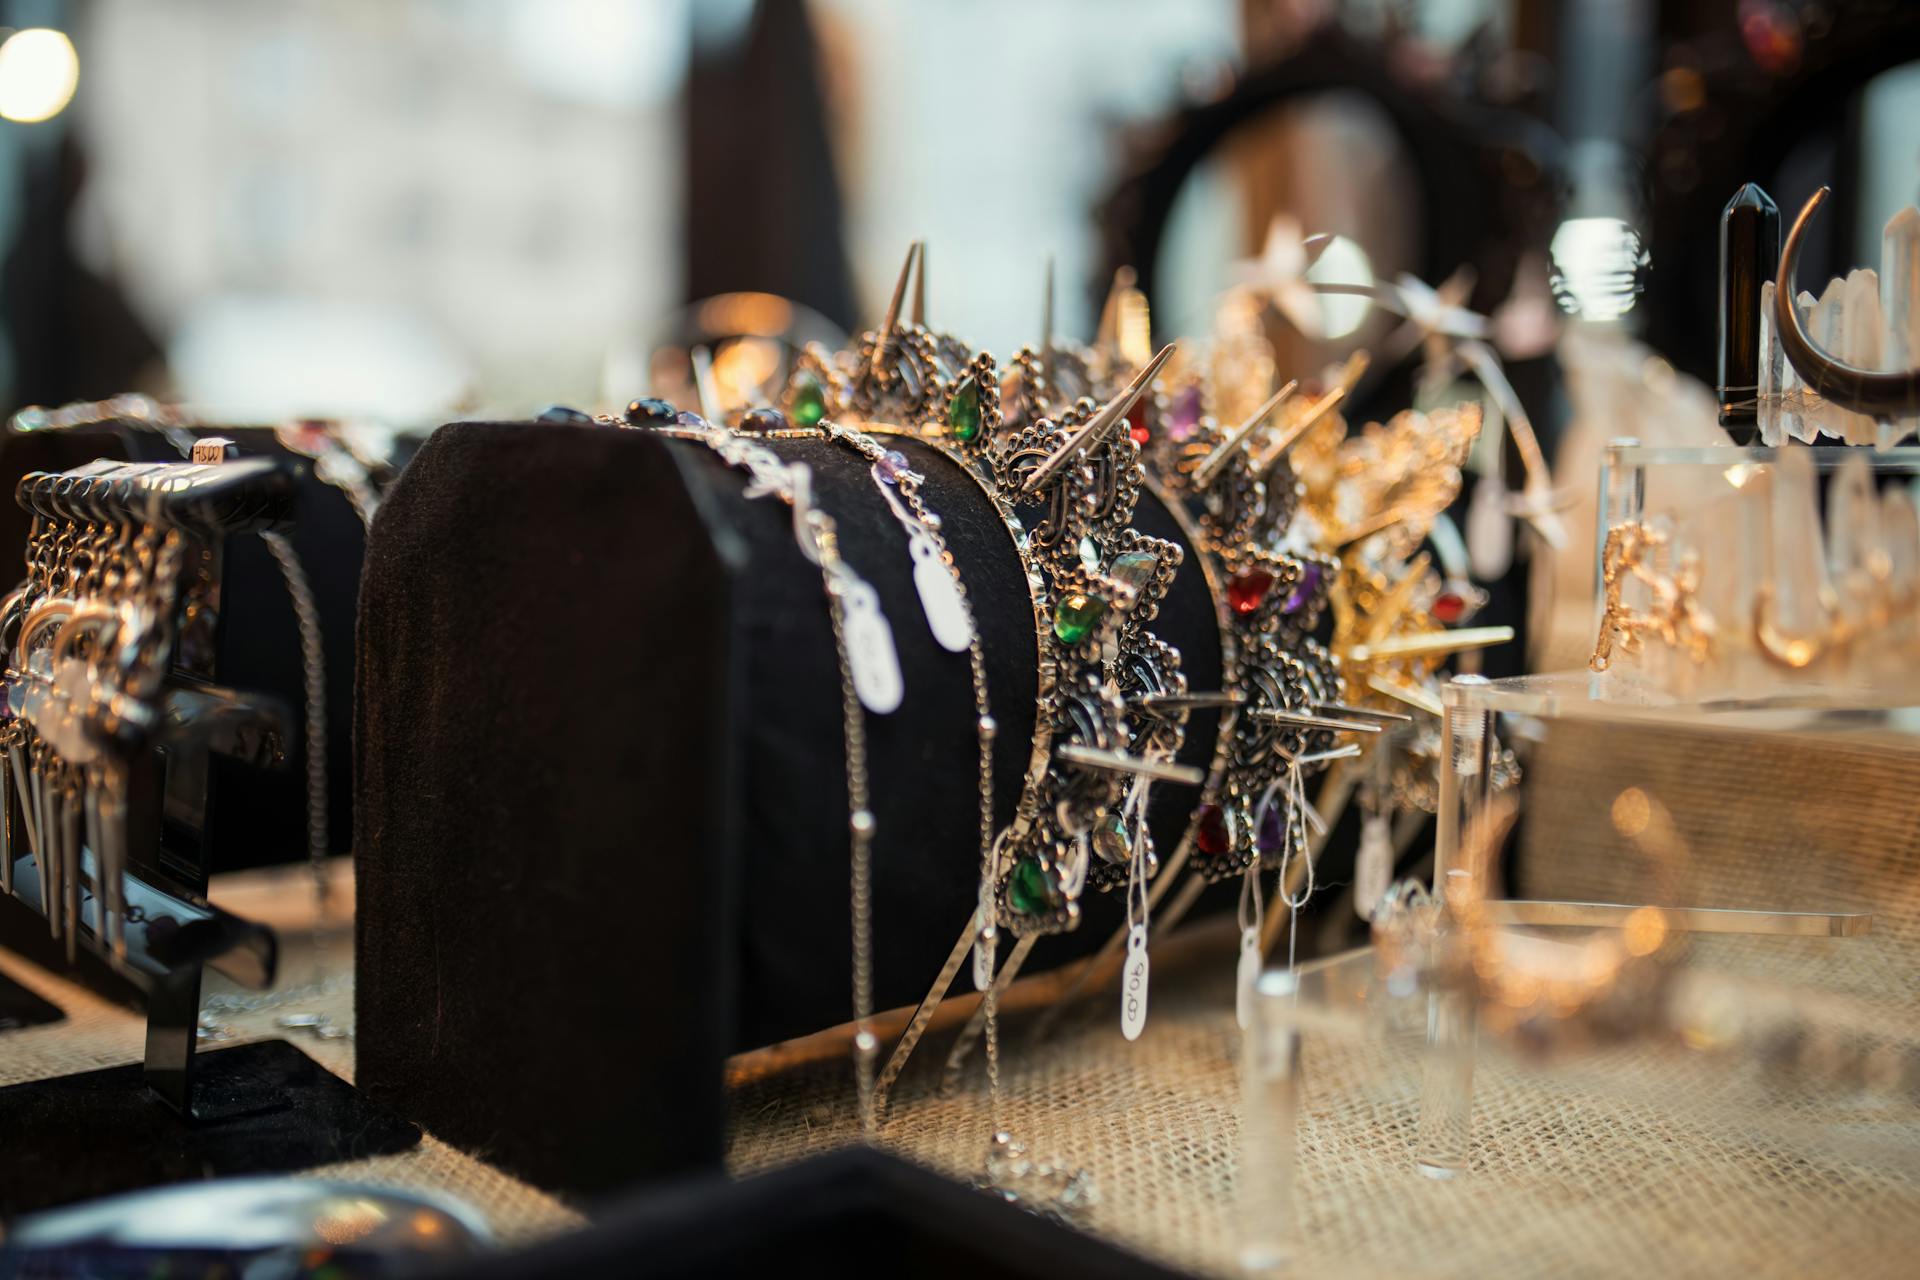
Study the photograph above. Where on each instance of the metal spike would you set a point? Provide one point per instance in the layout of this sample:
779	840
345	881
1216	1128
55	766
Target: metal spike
1399	690
704	389
1307	720
1046	327
1121	762
1341	708
1432	643
1107	336
1371	525
1348	752
1295	430
1096	428
1394	602
1210	465
1136	327
1225	698
920	288
891	321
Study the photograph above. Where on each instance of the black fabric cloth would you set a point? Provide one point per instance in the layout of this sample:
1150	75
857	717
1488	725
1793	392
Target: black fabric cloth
602	807
544	822
858	1212
259	1108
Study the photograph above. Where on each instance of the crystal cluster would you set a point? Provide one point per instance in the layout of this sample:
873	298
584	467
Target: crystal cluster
1867	319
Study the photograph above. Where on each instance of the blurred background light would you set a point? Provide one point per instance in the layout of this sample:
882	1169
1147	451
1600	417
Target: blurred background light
1599	268
248	358
39	71
1342	262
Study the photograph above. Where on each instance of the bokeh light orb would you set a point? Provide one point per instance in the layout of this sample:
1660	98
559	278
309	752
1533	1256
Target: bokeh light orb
39	71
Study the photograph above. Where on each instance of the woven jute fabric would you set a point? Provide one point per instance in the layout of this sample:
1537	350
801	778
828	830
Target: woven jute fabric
97	1033
1638	1161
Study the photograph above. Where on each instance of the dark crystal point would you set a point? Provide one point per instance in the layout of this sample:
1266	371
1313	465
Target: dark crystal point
1749	256
763	419
649	412
563	413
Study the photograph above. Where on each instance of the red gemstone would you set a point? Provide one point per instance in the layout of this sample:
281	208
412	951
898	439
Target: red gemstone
1210	837
1448	607
1137	423
1247	589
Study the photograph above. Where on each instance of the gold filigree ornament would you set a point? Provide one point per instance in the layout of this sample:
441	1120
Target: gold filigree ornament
1674	614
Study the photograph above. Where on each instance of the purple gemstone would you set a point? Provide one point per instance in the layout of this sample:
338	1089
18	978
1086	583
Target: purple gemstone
1184	417
892	465
1273	829
688	418
1302	590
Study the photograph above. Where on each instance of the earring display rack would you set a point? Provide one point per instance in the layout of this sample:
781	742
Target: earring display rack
252	1107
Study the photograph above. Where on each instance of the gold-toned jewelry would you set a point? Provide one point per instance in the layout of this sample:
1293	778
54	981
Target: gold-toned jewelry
1674	615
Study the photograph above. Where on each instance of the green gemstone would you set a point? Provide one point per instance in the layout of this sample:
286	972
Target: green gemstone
809	400
1028	890
1074	617
963	411
1134	569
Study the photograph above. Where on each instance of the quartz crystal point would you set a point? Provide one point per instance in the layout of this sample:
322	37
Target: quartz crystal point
1900	539
1801	401
1900	288
1855	541
1828	325
1900	306
1860	310
1772	412
1801	593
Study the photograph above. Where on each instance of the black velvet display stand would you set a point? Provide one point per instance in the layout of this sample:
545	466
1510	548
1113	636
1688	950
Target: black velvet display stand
601	821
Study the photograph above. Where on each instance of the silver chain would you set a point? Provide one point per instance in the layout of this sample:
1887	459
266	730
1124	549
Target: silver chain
313	664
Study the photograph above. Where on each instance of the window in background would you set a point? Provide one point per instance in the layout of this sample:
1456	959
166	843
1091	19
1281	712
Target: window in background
397	210
1889	155
988	129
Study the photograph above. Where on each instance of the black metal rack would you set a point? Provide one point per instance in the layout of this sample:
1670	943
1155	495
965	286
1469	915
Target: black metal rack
171	933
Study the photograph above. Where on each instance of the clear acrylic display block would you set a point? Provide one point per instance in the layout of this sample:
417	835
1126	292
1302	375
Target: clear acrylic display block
1807	562
1771	1131
1678	1028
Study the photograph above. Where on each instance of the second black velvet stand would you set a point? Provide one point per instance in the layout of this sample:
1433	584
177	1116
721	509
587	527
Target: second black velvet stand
601	818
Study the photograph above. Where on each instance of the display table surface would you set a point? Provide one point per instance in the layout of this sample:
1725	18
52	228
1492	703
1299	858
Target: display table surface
1586	1174
97	1033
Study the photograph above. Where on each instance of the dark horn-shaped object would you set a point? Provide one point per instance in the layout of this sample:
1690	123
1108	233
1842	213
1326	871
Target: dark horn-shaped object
1883	395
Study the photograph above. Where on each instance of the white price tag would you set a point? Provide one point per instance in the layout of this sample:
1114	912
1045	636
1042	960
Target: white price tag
940	598
1133	985
1248	975
870	651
